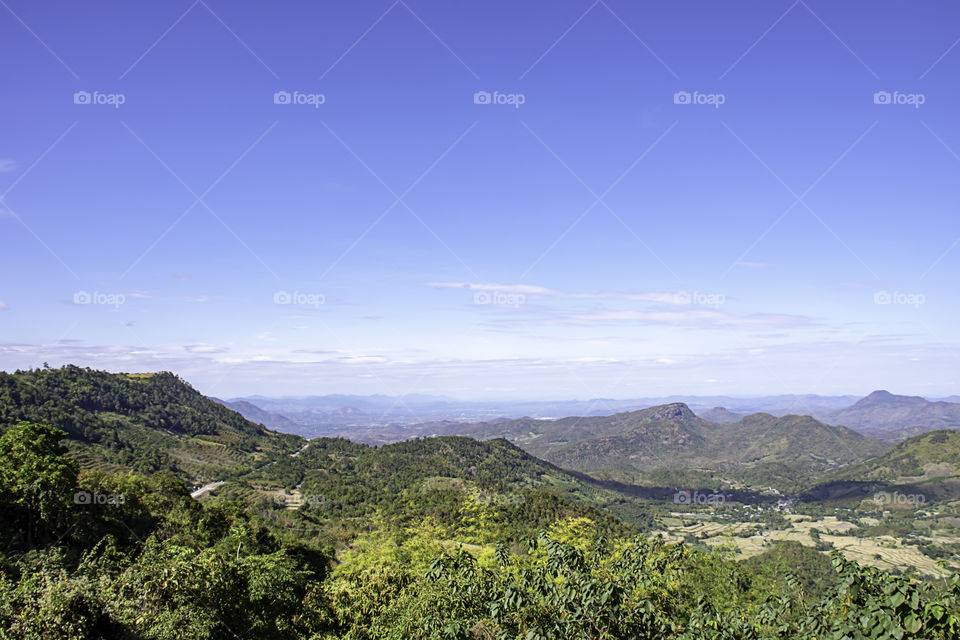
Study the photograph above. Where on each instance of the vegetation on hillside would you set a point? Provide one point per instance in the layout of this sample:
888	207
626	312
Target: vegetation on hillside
670	445
141	422
140	559
932	454
444	537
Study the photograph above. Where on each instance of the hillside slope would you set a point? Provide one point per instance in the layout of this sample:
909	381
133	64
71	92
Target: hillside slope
432	477
156	421
144	422
541	437
931	455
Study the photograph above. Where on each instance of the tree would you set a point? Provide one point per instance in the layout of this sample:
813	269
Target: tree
37	480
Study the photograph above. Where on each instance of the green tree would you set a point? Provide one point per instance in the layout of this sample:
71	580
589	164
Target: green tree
37	482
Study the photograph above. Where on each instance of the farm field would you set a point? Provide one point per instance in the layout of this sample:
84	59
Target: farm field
745	539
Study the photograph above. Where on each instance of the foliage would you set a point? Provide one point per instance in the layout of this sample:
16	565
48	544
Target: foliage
145	422
437	538
36	482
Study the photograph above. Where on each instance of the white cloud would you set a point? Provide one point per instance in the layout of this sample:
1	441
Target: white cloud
834	366
526	289
205	348
8	165
692	317
667	297
363	360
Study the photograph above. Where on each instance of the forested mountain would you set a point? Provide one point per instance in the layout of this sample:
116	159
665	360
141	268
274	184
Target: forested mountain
153	422
151	563
540	437
147	422
156	421
337	481
927	456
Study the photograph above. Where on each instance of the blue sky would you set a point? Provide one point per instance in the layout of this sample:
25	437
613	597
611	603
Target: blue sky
690	198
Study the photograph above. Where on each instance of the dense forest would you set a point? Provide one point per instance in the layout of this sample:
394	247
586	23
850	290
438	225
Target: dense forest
107	555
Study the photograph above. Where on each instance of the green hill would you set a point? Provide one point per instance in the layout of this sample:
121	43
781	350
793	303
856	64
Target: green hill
935	454
443	537
140	421
337	482
542	437
159	565
156	421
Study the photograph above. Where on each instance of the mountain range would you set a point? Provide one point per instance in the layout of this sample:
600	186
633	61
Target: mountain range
156	421
329	414
381	419
671	444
